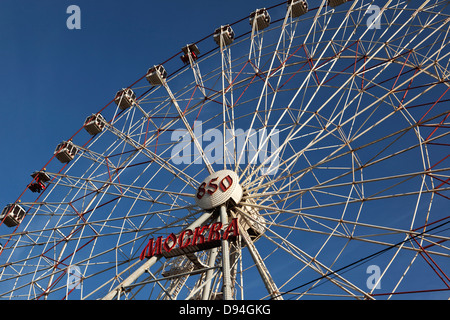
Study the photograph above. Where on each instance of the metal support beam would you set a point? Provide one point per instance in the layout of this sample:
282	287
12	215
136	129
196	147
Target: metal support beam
259	262
128	281
227	294
149	263
175	276
188	128
209	274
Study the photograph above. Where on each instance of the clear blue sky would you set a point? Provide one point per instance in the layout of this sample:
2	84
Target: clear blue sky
52	78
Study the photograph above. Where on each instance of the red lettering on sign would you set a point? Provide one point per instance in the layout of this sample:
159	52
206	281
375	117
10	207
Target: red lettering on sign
232	228
212	187
191	238
214	231
150	250
171	241
201	190
224	187
181	239
199	238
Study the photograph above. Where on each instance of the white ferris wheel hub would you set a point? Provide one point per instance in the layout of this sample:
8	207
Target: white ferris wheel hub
218	189
324	115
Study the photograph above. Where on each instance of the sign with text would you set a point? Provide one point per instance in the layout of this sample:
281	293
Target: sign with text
201	238
217	189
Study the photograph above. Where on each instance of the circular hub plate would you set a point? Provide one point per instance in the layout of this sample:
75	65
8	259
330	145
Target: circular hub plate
217	189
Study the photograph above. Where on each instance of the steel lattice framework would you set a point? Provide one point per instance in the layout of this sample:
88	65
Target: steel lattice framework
337	126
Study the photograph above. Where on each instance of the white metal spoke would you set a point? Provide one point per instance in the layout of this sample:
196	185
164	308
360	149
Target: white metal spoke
322	131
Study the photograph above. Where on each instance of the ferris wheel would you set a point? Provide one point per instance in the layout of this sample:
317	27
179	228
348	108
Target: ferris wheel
300	152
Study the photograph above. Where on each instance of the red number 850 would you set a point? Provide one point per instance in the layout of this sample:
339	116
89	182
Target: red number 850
211	187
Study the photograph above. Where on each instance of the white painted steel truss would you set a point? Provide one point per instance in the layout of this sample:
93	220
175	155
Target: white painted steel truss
337	130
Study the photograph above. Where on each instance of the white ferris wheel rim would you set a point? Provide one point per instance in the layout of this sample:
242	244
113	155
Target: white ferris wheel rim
310	198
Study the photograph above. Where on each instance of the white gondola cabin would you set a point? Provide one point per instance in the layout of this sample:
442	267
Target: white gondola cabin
125	98
39	180
66	151
94	124
261	18
156	75
12	215
192	50
298	7
335	3
226	33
